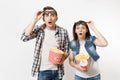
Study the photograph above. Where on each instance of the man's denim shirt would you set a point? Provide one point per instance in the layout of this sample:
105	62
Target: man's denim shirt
89	46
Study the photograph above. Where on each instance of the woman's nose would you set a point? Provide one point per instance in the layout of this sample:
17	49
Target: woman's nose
80	30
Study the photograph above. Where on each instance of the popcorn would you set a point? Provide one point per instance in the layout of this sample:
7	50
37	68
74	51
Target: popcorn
82	59
55	56
81	56
57	50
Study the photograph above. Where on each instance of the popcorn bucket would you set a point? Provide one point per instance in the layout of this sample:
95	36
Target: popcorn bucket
83	63
82	59
55	56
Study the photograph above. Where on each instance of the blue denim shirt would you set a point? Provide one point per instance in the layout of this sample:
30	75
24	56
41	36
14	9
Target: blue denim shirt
89	46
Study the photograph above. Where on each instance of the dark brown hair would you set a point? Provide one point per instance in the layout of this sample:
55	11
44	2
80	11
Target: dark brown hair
49	8
80	22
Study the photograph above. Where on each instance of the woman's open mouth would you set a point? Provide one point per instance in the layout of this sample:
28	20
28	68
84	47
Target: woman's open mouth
80	33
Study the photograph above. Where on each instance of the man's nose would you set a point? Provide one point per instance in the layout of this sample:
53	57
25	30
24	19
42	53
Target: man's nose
49	16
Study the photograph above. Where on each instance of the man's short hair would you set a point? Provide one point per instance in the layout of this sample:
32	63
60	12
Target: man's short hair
49	8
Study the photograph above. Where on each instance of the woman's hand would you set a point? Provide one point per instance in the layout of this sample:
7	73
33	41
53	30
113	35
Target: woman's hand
84	68
90	24
100	41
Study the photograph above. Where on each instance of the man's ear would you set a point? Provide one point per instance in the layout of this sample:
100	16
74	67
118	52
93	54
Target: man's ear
56	18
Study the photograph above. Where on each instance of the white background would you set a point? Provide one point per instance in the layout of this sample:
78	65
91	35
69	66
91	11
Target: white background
16	56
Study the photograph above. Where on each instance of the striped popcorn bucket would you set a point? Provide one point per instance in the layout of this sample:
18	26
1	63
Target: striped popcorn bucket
55	56
81	59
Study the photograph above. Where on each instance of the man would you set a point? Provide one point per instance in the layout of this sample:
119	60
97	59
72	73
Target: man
48	35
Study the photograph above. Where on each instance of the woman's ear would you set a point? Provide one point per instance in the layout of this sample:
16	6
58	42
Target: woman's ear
43	18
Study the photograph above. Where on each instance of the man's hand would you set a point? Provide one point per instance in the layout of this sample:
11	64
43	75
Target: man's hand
33	78
38	15
65	55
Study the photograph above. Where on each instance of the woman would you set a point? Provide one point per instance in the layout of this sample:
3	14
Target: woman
83	55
